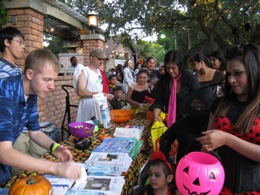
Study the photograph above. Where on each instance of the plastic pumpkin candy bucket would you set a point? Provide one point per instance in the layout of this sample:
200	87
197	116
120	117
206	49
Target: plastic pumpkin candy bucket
199	173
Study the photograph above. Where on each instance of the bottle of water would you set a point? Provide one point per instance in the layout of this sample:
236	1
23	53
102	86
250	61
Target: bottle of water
105	116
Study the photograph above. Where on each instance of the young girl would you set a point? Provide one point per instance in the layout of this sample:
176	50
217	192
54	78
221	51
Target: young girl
137	92
161	176
234	126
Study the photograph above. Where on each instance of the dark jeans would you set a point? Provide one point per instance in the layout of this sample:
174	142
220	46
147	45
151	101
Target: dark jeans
5	175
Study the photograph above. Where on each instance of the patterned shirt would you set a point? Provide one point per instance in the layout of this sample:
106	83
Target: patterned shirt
7	69
16	113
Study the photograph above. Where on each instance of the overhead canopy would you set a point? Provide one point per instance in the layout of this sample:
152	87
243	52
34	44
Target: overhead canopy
59	20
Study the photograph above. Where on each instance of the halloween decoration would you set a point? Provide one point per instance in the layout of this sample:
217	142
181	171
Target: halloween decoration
120	116
31	185
199	173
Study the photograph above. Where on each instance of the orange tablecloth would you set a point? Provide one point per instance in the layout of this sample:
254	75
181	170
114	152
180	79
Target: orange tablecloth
131	177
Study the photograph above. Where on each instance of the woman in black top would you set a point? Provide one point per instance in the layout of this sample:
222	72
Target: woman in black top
175	71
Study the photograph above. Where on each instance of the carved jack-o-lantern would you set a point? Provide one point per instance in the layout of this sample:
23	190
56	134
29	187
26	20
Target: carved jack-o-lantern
199	173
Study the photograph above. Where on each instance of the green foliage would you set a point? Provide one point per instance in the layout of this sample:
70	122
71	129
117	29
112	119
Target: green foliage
3	14
160	55
148	49
211	20
55	44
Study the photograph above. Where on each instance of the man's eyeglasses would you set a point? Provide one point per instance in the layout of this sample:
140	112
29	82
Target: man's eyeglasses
22	42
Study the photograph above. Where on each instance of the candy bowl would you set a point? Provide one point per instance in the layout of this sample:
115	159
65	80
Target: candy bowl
81	129
120	116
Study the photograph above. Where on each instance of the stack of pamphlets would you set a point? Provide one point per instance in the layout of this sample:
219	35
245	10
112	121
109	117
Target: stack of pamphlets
120	145
116	145
60	185
94	185
100	185
129	131
103	170
111	164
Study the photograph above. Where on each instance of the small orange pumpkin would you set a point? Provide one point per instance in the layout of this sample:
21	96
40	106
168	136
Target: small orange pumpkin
31	185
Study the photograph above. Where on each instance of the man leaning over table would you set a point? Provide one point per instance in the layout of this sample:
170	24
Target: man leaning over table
18	105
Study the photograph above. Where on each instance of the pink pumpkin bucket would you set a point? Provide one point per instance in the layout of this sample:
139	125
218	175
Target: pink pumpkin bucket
199	173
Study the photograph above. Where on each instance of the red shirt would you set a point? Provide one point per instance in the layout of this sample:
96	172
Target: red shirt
105	82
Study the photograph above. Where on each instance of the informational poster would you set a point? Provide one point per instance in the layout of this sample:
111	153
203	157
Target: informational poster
119	61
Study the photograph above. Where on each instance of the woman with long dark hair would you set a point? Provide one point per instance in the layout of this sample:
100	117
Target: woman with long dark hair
206	74
234	125
218	60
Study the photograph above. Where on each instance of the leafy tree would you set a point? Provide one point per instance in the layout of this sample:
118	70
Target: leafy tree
54	44
220	22
145	48
148	49
3	14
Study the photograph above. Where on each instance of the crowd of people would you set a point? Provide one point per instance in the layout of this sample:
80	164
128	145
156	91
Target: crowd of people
206	120
213	107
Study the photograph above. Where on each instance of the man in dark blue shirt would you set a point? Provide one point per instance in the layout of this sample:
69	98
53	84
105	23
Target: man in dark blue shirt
18	105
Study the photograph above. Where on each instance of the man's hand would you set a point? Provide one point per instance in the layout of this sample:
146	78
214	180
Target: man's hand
68	170
63	153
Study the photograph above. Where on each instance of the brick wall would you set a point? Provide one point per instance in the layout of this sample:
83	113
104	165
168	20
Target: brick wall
30	23
88	46
51	108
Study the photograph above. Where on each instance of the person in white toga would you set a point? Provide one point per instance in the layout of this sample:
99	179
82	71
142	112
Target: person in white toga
89	83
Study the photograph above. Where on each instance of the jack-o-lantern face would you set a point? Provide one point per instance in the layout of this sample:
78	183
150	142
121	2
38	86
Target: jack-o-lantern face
199	173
